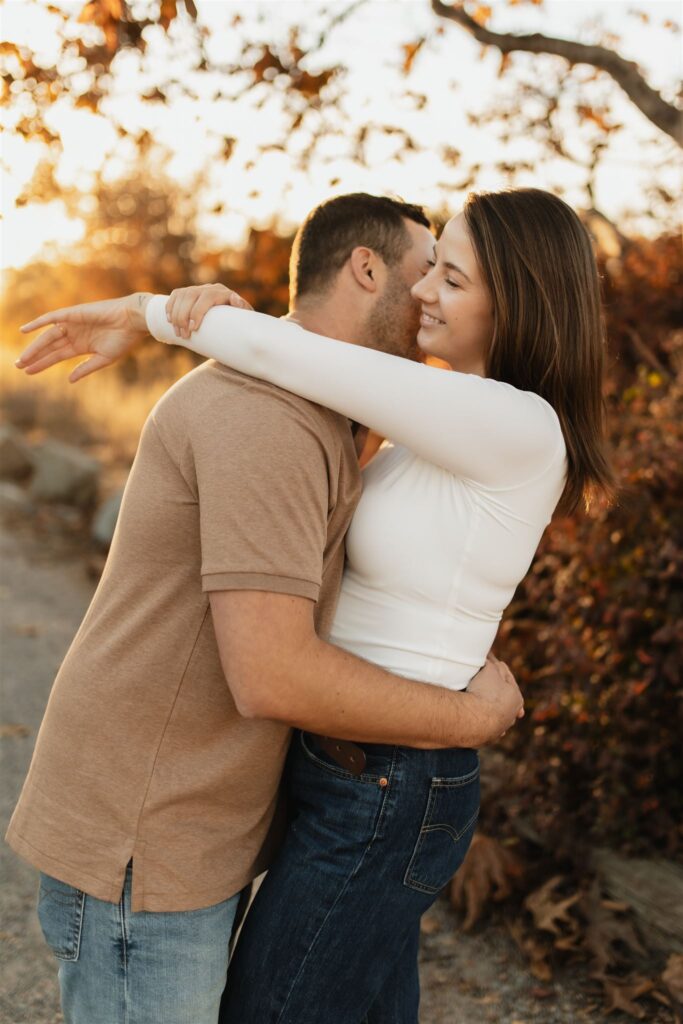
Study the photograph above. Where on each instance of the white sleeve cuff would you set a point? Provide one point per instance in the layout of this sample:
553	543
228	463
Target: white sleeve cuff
157	324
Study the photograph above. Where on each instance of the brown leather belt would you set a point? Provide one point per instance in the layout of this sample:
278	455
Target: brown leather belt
348	755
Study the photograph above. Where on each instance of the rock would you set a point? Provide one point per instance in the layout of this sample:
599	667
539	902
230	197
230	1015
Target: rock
14	501
15	454
104	522
65	474
654	891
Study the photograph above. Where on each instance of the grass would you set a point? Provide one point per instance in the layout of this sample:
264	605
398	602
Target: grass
103	413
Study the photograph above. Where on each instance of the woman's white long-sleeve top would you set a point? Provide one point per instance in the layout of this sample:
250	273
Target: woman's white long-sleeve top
452	510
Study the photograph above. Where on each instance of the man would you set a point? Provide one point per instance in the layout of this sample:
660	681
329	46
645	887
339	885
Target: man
153	784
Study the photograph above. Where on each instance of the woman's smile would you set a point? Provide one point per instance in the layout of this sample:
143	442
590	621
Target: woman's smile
427	320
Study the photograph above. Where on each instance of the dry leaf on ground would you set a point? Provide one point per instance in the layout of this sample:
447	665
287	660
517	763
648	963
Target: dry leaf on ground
605	928
551	914
672	977
429	924
536	952
488	872
621	993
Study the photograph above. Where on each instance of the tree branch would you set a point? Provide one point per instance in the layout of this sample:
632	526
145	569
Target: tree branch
340	17
625	73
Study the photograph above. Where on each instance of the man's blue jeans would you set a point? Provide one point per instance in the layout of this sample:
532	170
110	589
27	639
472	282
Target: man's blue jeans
117	967
332	936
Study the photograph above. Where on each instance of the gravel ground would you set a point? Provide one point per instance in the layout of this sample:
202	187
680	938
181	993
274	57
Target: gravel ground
44	591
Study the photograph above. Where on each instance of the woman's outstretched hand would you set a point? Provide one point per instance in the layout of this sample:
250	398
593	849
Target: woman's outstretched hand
187	307
105	331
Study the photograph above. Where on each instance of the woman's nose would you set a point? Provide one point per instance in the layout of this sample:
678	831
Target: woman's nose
423	290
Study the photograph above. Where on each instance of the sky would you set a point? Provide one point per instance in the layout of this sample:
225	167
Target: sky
451	71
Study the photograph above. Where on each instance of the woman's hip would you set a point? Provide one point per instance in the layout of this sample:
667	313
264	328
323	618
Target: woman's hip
415	809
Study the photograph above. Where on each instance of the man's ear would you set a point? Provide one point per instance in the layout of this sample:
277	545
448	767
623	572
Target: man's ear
365	268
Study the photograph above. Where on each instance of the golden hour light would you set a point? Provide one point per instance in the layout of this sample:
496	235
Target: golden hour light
341	452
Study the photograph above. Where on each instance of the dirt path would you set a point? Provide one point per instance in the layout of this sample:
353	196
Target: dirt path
43	595
41	602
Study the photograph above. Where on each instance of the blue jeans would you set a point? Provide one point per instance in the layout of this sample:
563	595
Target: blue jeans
117	967
332	936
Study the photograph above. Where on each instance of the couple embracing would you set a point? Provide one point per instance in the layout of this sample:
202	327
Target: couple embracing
258	583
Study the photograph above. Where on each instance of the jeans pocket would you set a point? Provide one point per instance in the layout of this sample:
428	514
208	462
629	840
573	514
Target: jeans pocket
60	912
446	832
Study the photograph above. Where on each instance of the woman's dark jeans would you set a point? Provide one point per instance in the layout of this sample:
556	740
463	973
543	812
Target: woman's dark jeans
332	936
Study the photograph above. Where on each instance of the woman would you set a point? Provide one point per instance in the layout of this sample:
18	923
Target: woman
447	526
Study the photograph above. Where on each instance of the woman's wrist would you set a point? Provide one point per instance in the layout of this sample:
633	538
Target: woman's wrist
136	305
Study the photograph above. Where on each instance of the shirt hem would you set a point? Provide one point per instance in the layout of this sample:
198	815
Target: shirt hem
260	581
110	892
66	872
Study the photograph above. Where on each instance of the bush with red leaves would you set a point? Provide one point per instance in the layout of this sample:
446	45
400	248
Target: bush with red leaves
595	632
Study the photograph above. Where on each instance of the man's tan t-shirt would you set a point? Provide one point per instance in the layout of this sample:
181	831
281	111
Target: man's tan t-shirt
236	486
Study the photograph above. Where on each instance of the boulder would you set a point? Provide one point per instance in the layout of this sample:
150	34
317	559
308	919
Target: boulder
14	501
15	454
104	522
654	891
64	474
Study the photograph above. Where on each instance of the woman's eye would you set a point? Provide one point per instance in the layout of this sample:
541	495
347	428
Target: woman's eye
453	284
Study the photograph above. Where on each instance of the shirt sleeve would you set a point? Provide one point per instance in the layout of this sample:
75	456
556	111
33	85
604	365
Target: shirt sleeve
474	427
263	495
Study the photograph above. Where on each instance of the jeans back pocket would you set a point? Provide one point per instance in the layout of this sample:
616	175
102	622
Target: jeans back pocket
446	832
60	912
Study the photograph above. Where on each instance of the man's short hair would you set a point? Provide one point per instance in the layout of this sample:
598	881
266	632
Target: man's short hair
336	227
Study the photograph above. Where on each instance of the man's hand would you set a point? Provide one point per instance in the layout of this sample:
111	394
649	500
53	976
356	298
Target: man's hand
104	331
187	307
500	700
288	674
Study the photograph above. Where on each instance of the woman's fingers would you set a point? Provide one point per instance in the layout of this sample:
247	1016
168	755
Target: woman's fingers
201	307
187	307
46	318
173	306
175	302
182	310
170	306
206	301
41	345
237	300
89	366
56	355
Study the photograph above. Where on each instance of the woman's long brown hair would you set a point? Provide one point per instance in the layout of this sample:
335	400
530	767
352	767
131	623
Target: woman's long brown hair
537	261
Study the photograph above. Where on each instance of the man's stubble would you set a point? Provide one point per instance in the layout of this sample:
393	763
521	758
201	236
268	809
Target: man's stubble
393	324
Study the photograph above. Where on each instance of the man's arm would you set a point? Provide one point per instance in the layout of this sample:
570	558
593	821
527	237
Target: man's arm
278	668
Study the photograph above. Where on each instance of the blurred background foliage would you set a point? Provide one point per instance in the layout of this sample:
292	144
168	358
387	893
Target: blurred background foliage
594	633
